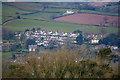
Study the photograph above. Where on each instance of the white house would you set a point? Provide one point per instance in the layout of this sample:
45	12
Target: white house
69	12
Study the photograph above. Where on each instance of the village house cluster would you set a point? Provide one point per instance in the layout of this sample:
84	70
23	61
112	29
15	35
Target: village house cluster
43	37
93	38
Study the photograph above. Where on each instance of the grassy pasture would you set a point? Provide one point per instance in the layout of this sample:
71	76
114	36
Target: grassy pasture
6	54
41	15
58	10
0	33
98	12
0	12
9	12
21	25
112	7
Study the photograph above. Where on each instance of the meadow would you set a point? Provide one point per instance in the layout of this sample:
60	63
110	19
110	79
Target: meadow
0	33
10	12
21	25
98	12
41	15
6	55
58	10
0	12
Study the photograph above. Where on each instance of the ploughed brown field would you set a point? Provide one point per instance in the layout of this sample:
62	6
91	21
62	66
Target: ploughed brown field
91	19
95	4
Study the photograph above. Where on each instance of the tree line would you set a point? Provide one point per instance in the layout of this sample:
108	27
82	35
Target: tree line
61	64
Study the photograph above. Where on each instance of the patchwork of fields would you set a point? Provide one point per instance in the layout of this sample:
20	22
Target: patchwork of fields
45	21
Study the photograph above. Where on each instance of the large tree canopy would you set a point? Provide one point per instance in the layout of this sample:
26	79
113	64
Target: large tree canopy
111	39
79	39
30	42
7	35
59	64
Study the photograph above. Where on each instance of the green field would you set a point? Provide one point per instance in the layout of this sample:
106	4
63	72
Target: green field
58	10
10	11
112	7
41	15
6	54
0	33
0	13
21	25
98	12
